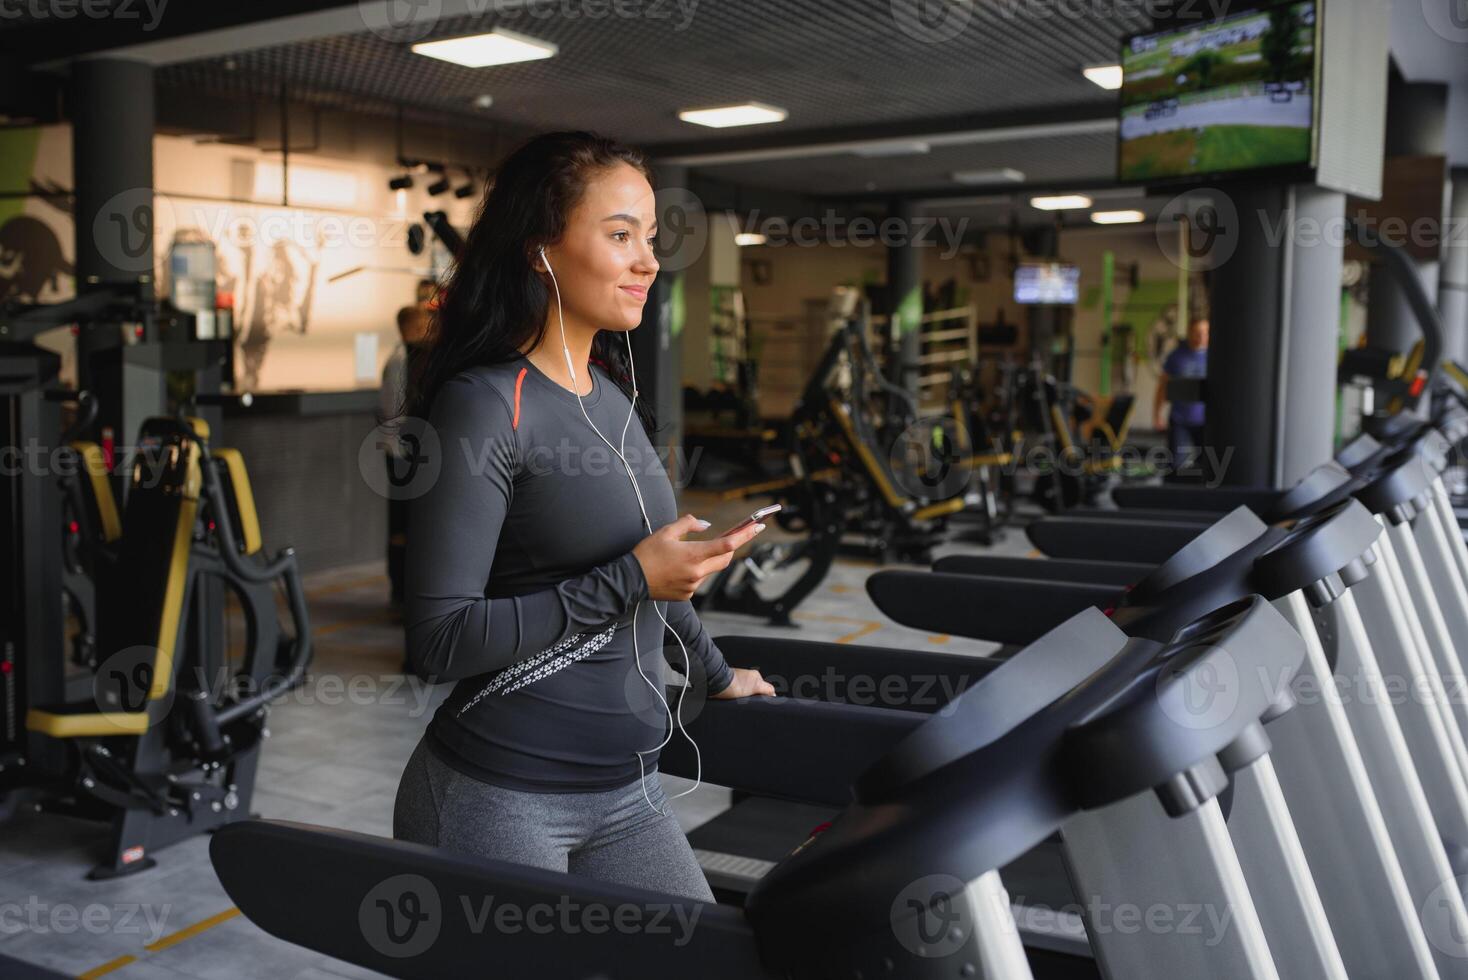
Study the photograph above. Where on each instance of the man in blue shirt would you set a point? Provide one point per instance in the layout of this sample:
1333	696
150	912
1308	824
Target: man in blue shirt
1184	423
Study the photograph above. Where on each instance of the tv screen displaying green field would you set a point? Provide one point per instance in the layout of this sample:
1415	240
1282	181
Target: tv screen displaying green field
1233	94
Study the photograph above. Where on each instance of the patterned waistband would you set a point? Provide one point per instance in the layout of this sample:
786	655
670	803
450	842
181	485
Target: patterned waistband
577	646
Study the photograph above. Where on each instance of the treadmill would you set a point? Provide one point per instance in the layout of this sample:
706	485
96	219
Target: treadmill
1084	734
1373	895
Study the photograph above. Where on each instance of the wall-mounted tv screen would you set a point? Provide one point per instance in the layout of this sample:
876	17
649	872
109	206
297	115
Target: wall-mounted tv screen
1230	95
1046	282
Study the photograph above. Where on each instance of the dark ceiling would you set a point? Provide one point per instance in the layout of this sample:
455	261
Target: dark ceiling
830	63
1052	160
844	69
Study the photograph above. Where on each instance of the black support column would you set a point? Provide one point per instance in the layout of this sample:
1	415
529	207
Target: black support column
1416	116
1453	282
110	103
1275	302
111	106
1044	319
657	342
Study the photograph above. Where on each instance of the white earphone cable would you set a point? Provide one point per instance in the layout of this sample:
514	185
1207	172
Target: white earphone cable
647	523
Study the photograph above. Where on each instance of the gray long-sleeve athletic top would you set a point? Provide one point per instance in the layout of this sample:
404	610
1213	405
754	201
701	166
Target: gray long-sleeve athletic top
521	585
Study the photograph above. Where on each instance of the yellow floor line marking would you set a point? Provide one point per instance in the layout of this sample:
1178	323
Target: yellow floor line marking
1034	553
840	588
173	939
866	630
831	619
107	968
940	638
189	932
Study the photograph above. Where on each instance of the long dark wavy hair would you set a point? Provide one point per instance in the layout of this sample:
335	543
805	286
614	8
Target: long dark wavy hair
494	302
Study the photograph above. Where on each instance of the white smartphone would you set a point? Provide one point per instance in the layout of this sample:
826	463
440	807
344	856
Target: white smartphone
754	518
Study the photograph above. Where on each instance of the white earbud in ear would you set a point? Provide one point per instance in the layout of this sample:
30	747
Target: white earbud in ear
564	349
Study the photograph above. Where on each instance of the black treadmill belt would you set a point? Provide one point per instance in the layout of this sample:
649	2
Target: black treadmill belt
736	849
755	827
766	830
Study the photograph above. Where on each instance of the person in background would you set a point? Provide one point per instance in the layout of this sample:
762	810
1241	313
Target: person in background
413	323
1184	423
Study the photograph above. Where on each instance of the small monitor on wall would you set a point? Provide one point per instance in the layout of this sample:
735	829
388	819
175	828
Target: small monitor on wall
1230	95
1049	283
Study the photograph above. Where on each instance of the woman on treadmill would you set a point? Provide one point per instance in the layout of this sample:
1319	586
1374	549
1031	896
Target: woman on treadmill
547	572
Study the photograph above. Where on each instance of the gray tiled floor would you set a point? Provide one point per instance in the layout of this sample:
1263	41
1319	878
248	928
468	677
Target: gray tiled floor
333	759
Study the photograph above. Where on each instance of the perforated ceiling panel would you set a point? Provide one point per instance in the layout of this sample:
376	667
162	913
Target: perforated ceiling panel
829	63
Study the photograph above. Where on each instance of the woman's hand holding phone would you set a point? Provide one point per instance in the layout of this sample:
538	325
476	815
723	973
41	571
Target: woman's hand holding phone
674	567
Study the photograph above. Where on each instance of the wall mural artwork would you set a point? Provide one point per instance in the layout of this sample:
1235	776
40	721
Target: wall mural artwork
280	301
273	286
33	263
31	260
314	290
303	284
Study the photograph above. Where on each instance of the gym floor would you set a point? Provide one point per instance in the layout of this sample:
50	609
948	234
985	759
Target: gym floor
337	747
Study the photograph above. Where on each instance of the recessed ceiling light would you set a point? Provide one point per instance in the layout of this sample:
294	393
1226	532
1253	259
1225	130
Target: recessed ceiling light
1106	76
895	148
994	175
498	47
483	101
1060	202
744	114
1117	217
749	238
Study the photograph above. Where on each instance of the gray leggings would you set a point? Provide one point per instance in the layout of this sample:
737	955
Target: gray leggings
612	835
